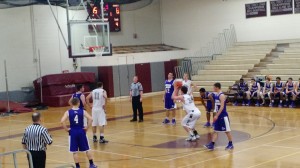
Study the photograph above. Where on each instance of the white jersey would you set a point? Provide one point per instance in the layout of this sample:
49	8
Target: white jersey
187	84
188	104
98	98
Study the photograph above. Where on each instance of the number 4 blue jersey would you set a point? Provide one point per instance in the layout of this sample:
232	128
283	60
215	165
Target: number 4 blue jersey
76	118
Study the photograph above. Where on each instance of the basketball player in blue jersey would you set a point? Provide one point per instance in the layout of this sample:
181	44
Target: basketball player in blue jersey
297	89
221	119
241	91
290	94
77	131
279	90
169	102
208	97
254	91
267	92
79	94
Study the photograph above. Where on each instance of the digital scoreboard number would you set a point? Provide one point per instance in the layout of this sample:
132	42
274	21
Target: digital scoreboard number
111	14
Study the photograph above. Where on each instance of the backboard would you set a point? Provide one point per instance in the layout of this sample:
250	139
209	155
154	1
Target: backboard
85	38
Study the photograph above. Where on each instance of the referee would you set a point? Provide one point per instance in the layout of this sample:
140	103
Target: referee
35	139
136	93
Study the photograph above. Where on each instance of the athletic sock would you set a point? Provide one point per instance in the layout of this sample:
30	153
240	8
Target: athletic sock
272	101
280	101
77	165
91	162
195	132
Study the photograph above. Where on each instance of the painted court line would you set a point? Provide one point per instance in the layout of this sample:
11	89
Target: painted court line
277	146
272	160
113	153
236	152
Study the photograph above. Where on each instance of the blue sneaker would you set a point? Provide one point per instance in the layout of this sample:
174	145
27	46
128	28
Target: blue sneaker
166	121
93	166
257	104
209	146
213	125
280	105
271	104
206	125
292	105
229	147
286	104
235	103
248	104
243	104
173	122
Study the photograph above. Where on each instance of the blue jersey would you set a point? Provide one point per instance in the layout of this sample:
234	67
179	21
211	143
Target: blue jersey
206	96
278	86
254	87
78	95
218	105
268	86
76	118
243	86
169	88
290	86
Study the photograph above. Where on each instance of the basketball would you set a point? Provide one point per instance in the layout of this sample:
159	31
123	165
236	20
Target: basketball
178	83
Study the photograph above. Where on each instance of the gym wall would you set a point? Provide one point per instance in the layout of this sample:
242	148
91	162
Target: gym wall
193	23
27	30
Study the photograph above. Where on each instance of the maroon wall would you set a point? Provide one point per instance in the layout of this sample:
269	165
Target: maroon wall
143	71
105	75
169	67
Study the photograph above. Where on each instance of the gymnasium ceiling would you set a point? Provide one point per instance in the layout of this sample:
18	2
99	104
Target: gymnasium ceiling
19	3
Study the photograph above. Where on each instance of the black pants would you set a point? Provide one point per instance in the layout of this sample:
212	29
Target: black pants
137	106
38	159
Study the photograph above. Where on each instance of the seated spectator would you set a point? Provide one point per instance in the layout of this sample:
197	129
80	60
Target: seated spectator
267	92
279	90
290	95
241	89
253	91
297	89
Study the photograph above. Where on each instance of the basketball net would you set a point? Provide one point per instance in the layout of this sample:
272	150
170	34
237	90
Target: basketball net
97	50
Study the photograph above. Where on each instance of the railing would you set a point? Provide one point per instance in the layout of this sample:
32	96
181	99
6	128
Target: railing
14	153
191	65
219	44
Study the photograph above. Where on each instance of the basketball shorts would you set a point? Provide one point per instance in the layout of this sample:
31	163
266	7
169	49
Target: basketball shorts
99	117
169	103
222	125
253	95
209	107
290	94
241	93
278	94
191	118
78	141
267	95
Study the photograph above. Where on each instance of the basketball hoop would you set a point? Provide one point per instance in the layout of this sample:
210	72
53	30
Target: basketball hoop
97	50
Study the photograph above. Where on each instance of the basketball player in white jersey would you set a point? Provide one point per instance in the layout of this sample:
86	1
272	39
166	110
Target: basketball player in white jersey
188	83
99	97
192	112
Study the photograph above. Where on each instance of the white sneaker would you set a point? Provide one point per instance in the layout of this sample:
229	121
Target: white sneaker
191	138
197	136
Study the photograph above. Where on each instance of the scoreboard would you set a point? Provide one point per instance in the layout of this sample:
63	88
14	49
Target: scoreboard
111	14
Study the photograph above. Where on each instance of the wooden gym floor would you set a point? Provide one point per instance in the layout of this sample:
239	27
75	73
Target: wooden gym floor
264	138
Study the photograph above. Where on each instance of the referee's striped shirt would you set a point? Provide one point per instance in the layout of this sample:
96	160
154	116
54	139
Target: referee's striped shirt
36	138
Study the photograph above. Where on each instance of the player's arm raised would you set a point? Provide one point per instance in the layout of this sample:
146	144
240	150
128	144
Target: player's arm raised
89	120
175	94
222	101
63	121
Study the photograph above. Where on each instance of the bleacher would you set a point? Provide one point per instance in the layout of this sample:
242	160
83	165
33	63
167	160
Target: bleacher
229	67
251	59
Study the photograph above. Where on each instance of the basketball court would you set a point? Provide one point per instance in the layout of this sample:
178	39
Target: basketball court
263	138
49	47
